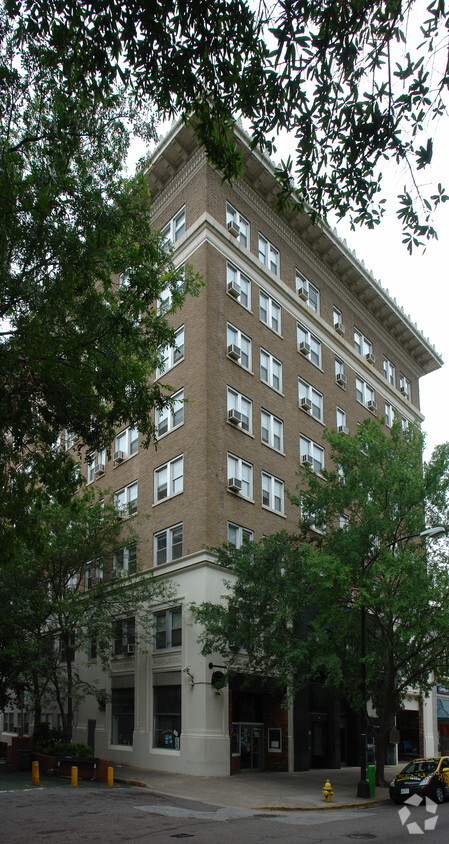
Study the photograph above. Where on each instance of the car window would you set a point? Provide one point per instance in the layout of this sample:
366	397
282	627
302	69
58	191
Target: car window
421	766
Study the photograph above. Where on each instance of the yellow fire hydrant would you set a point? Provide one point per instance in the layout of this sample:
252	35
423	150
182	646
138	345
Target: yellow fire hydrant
327	791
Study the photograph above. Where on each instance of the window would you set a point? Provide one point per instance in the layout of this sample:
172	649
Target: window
241	471
268	254
240	410
175	228
307	292
315	519
170	417
122	717
337	320
361	344
168	545
124	636
8	722
344	522
340	376
70	439
93	574
125	500
405	387
364	393
124	559
405	423
169	479
238	285
168	628
310	399
272	493
341	420
95	465
269	312
237	535
239	347
165	299
167	713
270	370
241	226
171	355
311	454
309	345
126	443
272	430
390	414
389	372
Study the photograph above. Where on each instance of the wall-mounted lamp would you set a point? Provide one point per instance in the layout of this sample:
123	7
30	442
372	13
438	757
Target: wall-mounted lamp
187	671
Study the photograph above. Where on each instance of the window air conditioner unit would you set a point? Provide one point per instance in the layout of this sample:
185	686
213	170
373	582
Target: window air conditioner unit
305	404
235	416
128	648
307	460
234	484
119	456
234	352
116	574
233	228
339	328
341	379
99	469
234	289
303	294
372	405
403	390
342	429
304	349
370	357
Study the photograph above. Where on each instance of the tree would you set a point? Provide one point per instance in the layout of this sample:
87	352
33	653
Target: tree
355	84
295	602
53	609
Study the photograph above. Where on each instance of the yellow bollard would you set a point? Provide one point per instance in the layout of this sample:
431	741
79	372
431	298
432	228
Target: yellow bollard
110	779
35	772
74	780
327	791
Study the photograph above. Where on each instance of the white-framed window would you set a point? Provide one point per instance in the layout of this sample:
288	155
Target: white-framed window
125	636
405	423
243	408
174	229
309	345
238	285
165	299
315	519
272	430
237	535
125	499
389	370
70	439
96	465
124	559
339	369
269	255
169	479
344	522
364	392
310	400
307	291
169	356
168	544
126	443
239	346
405	387
272	493
269	312
337	317
241	226
242	471
168	629
361	343
8	721
341	418
93	574
123	279
170	417
270	370
390	414
310	453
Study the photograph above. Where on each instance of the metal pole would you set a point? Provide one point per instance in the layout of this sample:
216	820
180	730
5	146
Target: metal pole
363	785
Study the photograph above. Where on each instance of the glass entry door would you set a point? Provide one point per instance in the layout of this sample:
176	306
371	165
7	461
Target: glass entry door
251	747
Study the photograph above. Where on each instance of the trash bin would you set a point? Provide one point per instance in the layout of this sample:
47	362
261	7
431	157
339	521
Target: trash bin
24	760
371	776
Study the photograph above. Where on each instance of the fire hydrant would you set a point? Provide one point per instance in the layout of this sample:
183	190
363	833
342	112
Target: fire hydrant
327	791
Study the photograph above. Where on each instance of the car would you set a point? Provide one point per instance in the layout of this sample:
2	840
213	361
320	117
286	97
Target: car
427	777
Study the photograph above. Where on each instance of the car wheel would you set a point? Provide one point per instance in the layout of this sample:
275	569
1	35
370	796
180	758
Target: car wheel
438	794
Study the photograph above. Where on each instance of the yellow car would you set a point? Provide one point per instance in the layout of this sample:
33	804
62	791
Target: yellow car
425	777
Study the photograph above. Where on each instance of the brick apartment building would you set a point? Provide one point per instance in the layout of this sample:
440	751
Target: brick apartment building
289	334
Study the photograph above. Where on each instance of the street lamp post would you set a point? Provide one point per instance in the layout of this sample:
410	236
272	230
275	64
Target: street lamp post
363	785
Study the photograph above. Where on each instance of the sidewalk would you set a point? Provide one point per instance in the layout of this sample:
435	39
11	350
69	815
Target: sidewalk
261	790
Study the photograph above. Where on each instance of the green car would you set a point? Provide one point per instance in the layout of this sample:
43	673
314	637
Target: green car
425	777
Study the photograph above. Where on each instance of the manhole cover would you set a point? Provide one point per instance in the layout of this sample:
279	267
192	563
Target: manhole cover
362	836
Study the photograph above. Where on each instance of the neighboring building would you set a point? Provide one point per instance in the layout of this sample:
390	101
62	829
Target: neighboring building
289	334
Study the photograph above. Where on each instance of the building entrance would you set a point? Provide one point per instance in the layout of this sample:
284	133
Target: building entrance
251	747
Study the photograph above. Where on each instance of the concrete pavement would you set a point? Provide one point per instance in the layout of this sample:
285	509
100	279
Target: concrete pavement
261	790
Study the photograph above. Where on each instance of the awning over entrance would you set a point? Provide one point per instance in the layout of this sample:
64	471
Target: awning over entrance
443	709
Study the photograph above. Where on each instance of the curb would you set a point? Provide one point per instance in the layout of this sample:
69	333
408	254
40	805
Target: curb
317	808
137	783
